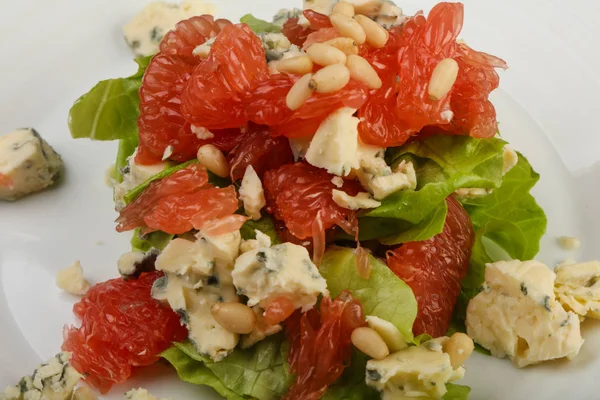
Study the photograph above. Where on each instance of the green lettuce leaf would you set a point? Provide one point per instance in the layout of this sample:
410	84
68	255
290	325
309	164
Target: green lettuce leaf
259	372
136	191
457	392
265	225
127	147
259	25
509	225
109	111
383	294
351	385
443	164
193	371
154	240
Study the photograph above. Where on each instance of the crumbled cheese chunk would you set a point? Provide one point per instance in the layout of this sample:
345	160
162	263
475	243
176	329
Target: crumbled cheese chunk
415	372
71	279
27	164
140	394
281	270
53	380
378	178
252	194
184	257
132	263
517	315
260	331
511	158
167	153
299	146
264	240
135	174
337	181
472	193
275	45
335	144
145	31
388	332
569	243
390	15
361	200
201	132
577	288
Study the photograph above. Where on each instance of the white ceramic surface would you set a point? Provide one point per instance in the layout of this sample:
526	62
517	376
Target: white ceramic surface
51	52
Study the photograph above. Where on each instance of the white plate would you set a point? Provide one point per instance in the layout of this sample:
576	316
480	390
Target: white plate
54	51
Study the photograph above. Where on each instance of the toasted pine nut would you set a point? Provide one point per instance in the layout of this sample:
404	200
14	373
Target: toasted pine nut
330	79
83	393
299	93
296	65
324	54
459	348
367	7
348	27
369	342
362	71
345	44
214	160
376	35
234	317
343	7
442	78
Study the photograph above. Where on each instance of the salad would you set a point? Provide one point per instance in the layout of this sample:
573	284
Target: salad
321	207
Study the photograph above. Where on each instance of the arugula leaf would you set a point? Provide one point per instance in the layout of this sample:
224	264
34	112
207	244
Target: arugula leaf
259	372
110	109
193	371
456	392
259	25
351	385
265	225
126	149
383	294
443	164
154	240
136	191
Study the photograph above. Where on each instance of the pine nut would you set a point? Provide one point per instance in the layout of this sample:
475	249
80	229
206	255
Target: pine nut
324	54
296	65
367	7
442	78
330	79
369	342
459	348
376	35
345	44
84	393
348	27
214	160
299	93
362	71
344	8
234	317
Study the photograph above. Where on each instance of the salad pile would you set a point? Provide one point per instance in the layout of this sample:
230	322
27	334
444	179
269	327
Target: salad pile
313	202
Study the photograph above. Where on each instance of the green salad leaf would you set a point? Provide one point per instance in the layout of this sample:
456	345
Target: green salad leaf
457	392
265	225
259	372
109	111
259	25
154	240
443	163
127	147
509	225
351	385
383	294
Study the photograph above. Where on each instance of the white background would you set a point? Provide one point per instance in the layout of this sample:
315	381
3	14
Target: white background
52	52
